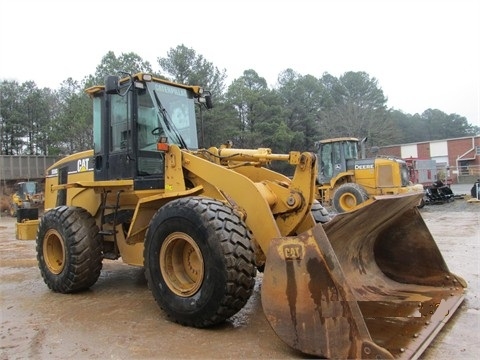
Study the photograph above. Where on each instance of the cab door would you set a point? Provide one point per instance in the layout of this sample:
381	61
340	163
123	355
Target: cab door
113	137
121	161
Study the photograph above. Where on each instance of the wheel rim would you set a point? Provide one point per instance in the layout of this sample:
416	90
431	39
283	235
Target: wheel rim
181	264
348	201
54	251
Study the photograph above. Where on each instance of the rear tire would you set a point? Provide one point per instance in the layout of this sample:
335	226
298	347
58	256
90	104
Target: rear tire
320	214
69	249
199	263
348	196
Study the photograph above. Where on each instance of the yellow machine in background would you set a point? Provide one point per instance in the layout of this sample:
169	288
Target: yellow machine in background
201	222
27	195
345	181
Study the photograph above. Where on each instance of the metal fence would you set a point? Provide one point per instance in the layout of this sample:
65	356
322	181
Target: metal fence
459	175
13	167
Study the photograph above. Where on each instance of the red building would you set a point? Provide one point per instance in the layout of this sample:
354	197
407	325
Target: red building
457	160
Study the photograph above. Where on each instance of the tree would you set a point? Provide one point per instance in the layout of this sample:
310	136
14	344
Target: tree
72	128
35	116
443	126
299	111
217	125
10	117
303	99
129	63
24	114
184	66
432	124
257	108
358	108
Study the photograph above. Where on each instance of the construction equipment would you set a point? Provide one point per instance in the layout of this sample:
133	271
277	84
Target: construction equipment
346	181
27	195
422	171
202	221
438	193
475	192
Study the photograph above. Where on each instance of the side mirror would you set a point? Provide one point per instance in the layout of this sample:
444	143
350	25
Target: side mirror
112	84
208	101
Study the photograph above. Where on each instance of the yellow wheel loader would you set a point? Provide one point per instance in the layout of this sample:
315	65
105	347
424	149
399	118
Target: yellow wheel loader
27	195
346	181
366	284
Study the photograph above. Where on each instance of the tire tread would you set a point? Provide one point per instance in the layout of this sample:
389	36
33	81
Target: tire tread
83	249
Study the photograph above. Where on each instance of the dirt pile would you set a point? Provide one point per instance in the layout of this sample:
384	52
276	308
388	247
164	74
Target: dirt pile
4	203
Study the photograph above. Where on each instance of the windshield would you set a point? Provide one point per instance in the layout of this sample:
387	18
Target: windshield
31	187
175	110
404	173
350	150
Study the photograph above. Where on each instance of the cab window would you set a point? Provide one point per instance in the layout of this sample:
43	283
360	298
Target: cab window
120	131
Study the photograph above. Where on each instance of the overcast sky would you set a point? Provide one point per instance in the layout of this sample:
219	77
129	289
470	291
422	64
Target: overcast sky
424	54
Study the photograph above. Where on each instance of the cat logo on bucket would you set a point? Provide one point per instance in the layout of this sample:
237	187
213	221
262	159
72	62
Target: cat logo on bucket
293	252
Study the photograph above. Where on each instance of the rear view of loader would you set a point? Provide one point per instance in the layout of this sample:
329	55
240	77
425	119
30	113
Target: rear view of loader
370	283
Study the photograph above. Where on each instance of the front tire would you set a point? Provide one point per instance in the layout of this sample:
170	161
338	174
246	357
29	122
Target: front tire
348	196
69	249
199	263
13	210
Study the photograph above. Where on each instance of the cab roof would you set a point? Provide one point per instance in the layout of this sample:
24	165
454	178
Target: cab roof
144	77
326	141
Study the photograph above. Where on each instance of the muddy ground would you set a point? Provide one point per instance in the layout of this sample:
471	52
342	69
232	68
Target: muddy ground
118	318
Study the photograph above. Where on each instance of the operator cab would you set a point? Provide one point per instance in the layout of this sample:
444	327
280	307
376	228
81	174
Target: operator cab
131	116
25	189
336	156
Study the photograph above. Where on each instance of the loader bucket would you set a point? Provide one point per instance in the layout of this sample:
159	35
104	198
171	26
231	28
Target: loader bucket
370	283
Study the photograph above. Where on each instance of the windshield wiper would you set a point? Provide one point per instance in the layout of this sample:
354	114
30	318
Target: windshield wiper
168	123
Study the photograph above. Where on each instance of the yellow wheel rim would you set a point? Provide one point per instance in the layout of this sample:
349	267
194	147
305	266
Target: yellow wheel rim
181	264
54	251
348	201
